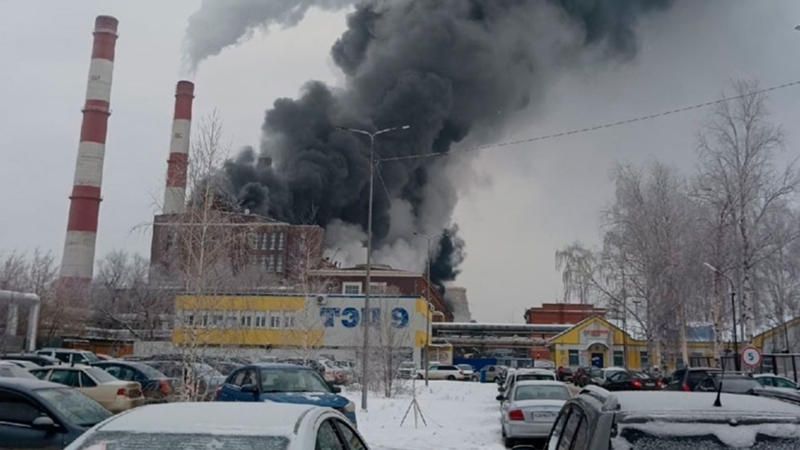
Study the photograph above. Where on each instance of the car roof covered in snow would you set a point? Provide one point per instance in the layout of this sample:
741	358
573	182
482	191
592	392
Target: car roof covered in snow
30	383
278	366
531	370
701	403
225	418
541	383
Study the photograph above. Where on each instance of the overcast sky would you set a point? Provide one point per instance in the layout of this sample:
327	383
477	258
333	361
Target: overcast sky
526	201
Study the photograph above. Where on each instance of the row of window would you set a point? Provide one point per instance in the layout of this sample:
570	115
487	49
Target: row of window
240	319
355	287
269	241
619	358
271	263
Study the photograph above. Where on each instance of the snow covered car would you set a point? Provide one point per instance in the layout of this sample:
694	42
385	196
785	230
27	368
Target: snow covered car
525	375
771	381
10	370
597	419
284	383
530	409
240	426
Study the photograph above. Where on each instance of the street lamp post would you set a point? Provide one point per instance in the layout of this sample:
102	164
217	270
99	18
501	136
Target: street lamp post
426	361
736	358
367	316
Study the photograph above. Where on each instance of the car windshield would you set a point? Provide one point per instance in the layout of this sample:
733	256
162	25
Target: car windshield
121	440
532	392
292	380
100	375
596	373
90	357
465	367
744	438
76	407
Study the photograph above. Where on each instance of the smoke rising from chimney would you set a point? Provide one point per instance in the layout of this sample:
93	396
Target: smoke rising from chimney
455	70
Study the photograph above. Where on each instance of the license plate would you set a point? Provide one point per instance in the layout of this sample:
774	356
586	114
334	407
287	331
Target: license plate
543	416
649	384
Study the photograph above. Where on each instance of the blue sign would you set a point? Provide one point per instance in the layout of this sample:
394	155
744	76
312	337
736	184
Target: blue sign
351	317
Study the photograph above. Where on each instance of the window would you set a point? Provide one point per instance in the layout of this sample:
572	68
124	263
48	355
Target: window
15	409
558	430
328	438
218	320
350	436
263	241
644	357
288	319
255	238
377	288
573	358
272	241
261	320
189	319
281	240
247	319
263	260
113	370
232	318
279	267
204	321
87	382
275	320
619	358
65	377
271	264
570	430
350	288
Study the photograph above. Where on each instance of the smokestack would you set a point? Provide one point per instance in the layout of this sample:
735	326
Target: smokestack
77	265
175	192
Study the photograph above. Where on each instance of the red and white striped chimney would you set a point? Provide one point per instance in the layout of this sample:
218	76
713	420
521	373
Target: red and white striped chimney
77	265
175	192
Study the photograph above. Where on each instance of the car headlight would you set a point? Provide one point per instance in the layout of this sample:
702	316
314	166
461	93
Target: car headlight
351	407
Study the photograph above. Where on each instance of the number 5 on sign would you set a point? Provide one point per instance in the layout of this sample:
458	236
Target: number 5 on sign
751	356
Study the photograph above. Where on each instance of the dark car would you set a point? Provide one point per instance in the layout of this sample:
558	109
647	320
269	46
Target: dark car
631	381
565	374
283	383
39	414
156	386
731	383
687	379
597	419
195	380
41	360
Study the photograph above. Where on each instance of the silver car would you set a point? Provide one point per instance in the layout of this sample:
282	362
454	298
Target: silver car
530	409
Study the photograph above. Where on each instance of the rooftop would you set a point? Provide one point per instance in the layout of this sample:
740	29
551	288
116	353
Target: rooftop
235	418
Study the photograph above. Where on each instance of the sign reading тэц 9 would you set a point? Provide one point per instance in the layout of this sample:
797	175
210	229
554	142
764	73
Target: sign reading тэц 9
351	317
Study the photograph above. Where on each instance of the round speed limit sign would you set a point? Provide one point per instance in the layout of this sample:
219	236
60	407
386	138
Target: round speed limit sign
751	356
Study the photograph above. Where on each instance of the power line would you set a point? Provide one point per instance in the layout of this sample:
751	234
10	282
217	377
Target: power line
594	128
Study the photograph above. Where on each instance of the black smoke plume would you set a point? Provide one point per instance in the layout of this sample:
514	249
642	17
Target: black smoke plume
444	264
454	70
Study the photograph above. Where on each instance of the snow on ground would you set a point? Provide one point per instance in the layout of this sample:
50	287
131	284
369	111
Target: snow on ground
460	415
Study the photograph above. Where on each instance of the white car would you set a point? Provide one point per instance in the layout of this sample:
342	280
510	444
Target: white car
771	381
469	372
442	372
530	409
526	375
222	425
10	370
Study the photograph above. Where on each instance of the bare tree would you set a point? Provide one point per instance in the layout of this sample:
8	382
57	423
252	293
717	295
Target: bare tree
37	273
737	151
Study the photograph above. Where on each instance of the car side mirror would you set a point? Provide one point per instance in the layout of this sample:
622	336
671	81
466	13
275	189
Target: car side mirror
500	398
336	389
43	423
251	389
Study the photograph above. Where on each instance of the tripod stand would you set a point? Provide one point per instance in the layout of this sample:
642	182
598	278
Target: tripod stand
415	406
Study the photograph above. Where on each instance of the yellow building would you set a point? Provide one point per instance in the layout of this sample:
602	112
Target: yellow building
597	342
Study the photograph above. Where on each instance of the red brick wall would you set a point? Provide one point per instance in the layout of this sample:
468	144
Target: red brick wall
563	313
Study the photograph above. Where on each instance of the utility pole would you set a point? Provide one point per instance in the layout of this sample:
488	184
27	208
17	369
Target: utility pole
367	316
737	357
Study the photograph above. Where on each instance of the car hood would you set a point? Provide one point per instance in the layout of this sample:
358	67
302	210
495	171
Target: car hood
307	398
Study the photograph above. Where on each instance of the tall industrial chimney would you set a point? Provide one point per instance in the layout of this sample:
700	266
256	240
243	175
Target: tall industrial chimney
77	264
175	192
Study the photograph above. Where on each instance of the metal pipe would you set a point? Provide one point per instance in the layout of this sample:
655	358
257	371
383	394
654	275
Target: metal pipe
30	300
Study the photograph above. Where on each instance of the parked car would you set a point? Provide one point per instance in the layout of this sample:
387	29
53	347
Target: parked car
630	381
598	376
253	426
597	419
194	380
115	395
407	370
37	414
442	372
771	381
469	372
9	370
27	365
686	379
156	386
731	383
69	356
564	374
530	409
284	383
492	373
526	375
40	360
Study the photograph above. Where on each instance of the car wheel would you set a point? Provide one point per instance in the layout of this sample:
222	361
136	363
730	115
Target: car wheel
420	377
451	377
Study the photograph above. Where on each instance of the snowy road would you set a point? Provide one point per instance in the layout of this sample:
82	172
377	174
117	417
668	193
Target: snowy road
460	416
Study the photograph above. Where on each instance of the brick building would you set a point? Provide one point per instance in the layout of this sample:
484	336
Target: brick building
556	313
